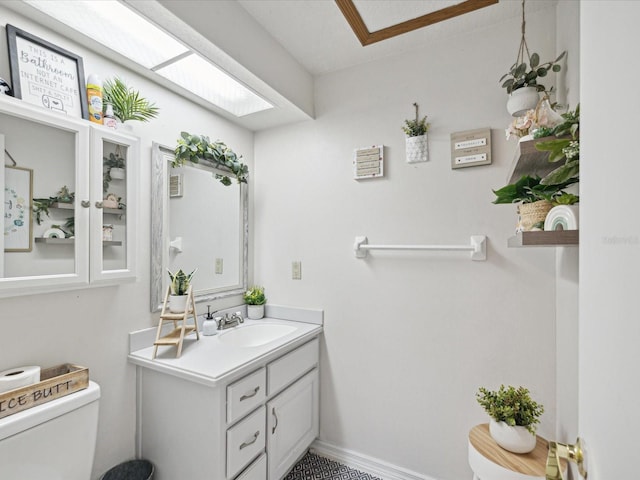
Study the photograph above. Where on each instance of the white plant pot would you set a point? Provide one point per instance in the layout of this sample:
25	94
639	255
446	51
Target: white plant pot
521	100
514	439
417	149
255	312
177	303
117	173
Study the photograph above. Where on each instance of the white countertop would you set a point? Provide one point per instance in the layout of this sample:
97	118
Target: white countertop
210	361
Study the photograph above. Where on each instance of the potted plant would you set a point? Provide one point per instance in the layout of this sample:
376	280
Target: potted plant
126	102
566	147
416	140
255	300
41	206
180	283
114	168
194	148
514	416
534	200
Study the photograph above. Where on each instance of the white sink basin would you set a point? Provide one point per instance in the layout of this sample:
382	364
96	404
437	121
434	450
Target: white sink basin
255	335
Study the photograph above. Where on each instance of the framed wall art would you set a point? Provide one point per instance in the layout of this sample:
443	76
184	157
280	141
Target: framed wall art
46	75
18	187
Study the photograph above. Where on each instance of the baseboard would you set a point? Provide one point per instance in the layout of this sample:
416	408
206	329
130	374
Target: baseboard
364	463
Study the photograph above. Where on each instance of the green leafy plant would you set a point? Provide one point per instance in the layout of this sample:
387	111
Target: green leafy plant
530	189
194	148
41	206
126	102
511	405
112	161
180	281
416	127
522	75
566	148
566	199
255	296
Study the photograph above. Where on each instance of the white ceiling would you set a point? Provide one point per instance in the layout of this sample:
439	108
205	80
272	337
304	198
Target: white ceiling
316	34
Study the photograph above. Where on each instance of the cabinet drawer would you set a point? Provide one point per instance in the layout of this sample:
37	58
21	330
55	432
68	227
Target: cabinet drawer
245	395
256	471
245	441
290	367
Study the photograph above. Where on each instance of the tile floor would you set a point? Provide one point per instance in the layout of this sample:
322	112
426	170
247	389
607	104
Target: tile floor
315	467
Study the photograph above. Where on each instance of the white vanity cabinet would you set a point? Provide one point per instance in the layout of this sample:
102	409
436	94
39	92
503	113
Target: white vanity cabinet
253	426
76	242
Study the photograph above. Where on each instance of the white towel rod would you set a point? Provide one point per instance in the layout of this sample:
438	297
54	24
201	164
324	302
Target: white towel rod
477	246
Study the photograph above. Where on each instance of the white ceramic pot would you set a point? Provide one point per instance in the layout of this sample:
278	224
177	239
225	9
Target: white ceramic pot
117	173
417	149
515	439
521	100
177	303
255	312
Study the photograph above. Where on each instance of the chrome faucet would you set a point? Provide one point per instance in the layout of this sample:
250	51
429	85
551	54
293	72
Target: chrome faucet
572	453
229	321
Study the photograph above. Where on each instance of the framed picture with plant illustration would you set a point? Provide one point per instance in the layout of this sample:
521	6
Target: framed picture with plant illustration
18	187
46	75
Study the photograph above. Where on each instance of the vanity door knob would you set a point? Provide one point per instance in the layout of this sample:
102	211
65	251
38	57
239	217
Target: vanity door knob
85	203
273	430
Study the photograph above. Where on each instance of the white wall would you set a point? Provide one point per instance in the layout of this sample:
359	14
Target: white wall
409	337
90	326
610	240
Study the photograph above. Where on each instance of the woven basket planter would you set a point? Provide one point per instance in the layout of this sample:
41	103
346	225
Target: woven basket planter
530	214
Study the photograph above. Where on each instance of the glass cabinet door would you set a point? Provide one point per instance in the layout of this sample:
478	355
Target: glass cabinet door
113	210
45	180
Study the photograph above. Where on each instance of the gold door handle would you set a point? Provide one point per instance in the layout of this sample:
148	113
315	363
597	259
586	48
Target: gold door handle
572	453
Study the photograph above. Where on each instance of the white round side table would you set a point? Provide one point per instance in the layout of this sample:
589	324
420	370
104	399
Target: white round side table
489	461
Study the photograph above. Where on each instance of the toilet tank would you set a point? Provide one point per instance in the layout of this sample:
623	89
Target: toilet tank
53	441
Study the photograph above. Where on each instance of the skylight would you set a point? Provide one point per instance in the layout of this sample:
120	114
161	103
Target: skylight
124	31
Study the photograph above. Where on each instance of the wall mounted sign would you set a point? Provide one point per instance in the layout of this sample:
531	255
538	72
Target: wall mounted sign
368	162
46	75
471	148
17	209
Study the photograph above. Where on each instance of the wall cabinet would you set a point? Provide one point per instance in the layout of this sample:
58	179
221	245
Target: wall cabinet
242	429
77	240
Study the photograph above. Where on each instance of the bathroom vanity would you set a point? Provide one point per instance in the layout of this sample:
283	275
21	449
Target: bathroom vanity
242	404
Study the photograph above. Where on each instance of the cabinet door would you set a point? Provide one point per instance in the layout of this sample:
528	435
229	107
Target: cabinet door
114	173
292	424
48	249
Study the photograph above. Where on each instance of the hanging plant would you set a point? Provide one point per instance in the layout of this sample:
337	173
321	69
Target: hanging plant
193	148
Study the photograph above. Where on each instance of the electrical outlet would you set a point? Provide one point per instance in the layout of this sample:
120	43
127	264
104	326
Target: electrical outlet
219	265
296	270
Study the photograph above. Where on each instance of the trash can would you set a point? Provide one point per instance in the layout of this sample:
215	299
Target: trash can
130	470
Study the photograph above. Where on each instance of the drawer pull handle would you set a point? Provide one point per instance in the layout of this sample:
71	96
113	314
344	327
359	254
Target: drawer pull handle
273	430
249	395
250	442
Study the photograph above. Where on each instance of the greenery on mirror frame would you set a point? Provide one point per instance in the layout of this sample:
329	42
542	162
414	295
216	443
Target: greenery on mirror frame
194	148
522	75
255	296
530	189
126	102
112	161
511	405
180	282
41	206
566	148
416	127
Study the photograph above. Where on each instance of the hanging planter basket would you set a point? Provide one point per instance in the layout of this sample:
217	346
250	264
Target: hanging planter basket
522	100
417	149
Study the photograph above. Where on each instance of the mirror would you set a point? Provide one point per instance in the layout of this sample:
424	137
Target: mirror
196	222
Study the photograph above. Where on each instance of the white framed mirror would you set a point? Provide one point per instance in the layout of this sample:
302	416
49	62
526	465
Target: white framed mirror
197	223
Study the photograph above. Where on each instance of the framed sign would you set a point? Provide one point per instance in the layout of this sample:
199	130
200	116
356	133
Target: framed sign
18	184
46	75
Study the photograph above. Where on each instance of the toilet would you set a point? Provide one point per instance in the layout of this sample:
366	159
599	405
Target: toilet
53	441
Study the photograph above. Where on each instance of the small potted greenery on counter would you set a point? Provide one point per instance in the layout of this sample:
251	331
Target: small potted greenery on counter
255	300
514	416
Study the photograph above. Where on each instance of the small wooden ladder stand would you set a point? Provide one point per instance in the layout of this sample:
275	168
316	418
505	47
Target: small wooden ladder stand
176	336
